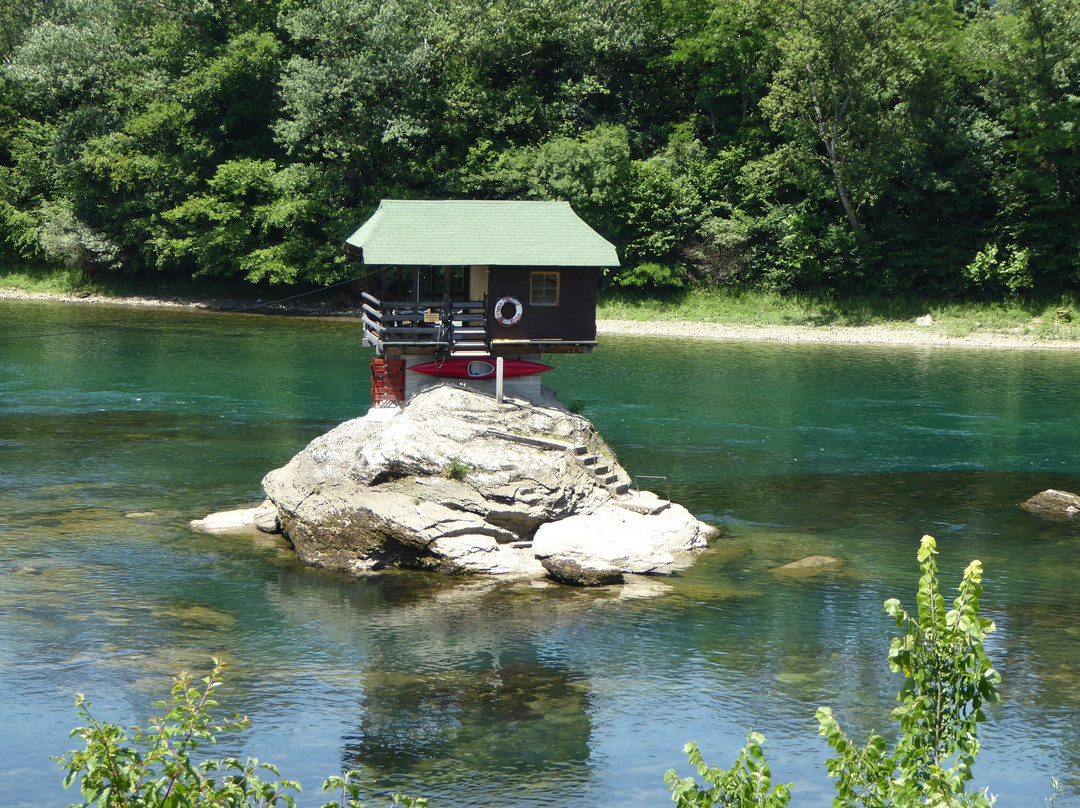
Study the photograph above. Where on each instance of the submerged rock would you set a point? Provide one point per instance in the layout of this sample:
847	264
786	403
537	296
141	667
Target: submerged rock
810	567
458	483
1053	504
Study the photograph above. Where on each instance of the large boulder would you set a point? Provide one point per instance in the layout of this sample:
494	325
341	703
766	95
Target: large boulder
1053	504
459	483
642	543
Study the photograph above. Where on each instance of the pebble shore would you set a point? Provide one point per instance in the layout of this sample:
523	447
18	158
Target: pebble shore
928	336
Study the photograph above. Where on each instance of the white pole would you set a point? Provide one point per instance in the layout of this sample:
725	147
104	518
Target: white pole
498	380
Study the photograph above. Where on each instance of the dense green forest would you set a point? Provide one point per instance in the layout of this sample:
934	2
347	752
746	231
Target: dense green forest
903	147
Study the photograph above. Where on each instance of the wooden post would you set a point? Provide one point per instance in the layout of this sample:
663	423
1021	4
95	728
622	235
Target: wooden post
498	380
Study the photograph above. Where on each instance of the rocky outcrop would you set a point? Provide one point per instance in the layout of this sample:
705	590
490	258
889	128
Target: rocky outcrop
1053	504
457	483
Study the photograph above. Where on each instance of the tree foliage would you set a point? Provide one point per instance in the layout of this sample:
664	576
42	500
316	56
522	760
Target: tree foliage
848	146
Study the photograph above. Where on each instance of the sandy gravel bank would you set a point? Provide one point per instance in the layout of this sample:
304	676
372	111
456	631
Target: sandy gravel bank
18	294
855	335
285	308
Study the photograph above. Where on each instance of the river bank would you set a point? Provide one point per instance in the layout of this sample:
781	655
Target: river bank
932	335
929	336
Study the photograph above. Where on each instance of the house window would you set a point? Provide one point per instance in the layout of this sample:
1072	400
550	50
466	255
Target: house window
544	289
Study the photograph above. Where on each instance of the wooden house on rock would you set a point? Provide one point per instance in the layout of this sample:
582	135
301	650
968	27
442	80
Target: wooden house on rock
472	290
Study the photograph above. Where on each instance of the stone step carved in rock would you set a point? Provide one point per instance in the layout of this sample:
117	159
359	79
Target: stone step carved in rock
645	502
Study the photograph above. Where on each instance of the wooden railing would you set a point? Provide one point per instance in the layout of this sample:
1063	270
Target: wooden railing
454	326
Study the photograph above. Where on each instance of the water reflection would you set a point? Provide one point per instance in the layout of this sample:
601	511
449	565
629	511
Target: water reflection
454	683
513	715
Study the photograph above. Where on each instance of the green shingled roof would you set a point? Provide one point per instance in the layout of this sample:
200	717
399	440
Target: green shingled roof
479	233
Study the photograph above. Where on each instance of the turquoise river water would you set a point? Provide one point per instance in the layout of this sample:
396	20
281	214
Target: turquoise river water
118	426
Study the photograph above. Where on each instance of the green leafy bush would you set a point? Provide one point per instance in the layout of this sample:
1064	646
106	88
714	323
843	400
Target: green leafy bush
156	767
997	272
747	783
947	680
650	275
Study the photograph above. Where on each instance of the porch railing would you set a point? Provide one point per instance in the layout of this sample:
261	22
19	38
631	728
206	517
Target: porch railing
454	326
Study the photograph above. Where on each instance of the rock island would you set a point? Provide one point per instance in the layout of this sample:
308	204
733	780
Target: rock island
465	462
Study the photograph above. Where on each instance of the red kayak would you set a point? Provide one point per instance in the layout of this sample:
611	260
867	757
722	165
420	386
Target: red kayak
479	368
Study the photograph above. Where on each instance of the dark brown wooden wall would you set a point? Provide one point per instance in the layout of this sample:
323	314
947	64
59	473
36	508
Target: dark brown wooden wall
573	319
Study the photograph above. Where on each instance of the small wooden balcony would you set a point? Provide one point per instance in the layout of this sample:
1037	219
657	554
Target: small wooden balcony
455	327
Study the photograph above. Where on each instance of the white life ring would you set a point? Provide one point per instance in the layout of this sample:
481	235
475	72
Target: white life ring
504	301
